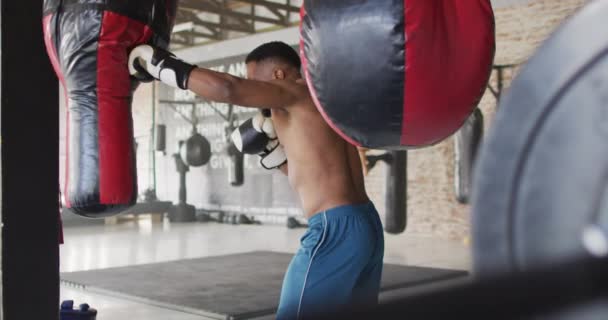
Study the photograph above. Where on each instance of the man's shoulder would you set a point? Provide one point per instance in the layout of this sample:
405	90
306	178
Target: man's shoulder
302	87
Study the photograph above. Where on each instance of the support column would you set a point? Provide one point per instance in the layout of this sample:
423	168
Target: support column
30	169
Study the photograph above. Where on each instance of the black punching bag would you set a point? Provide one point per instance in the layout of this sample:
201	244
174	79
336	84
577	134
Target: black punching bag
196	150
88	43
395	219
236	175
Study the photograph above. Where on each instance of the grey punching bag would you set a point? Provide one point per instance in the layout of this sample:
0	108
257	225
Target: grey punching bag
161	137
466	144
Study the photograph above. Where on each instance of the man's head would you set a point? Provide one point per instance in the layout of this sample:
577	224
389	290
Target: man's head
273	60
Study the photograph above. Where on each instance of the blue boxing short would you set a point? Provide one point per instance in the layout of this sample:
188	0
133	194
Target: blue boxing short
339	263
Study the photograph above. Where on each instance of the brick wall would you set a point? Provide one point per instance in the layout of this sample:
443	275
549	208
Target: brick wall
432	207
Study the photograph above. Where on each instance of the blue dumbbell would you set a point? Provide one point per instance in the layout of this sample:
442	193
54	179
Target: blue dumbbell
84	312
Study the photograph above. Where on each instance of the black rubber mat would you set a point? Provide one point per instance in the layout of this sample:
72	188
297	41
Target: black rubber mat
238	286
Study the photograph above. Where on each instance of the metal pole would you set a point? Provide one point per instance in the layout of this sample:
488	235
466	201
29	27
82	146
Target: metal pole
153	137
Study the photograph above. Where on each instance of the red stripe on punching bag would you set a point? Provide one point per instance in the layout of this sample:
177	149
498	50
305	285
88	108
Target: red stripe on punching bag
448	55
51	51
117	37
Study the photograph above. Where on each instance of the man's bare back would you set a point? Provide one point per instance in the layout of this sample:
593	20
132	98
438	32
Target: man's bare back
323	169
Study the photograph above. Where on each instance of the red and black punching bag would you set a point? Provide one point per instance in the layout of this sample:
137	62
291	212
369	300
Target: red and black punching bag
88	42
397	73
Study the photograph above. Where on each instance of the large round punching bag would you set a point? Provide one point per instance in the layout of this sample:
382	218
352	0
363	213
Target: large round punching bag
88	42
396	73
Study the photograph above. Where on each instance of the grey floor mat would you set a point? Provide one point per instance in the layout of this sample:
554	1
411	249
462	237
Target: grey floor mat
235	286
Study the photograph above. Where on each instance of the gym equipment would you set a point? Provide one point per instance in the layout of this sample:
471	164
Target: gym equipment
360	84
236	171
161	138
84	311
541	183
149	195
88	43
395	194
541	178
210	216
228	218
196	151
257	136
395	189
293	223
466	144
150	192
249	137
182	211
243	219
148	63
204	217
220	217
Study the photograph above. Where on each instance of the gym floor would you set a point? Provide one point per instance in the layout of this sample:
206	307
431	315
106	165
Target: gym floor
141	242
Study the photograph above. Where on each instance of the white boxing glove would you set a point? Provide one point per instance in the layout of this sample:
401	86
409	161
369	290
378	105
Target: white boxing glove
147	63
274	155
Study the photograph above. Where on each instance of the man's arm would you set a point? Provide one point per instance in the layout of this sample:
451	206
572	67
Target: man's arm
147	63
223	87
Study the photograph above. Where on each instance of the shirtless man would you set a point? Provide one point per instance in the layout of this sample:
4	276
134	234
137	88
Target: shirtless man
339	263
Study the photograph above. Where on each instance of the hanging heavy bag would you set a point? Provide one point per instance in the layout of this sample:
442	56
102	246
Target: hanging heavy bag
88	43
396	74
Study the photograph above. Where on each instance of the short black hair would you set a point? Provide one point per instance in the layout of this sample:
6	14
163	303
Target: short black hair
275	50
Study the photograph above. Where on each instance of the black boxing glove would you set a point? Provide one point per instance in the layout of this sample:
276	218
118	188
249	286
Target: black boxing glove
249	137
257	136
